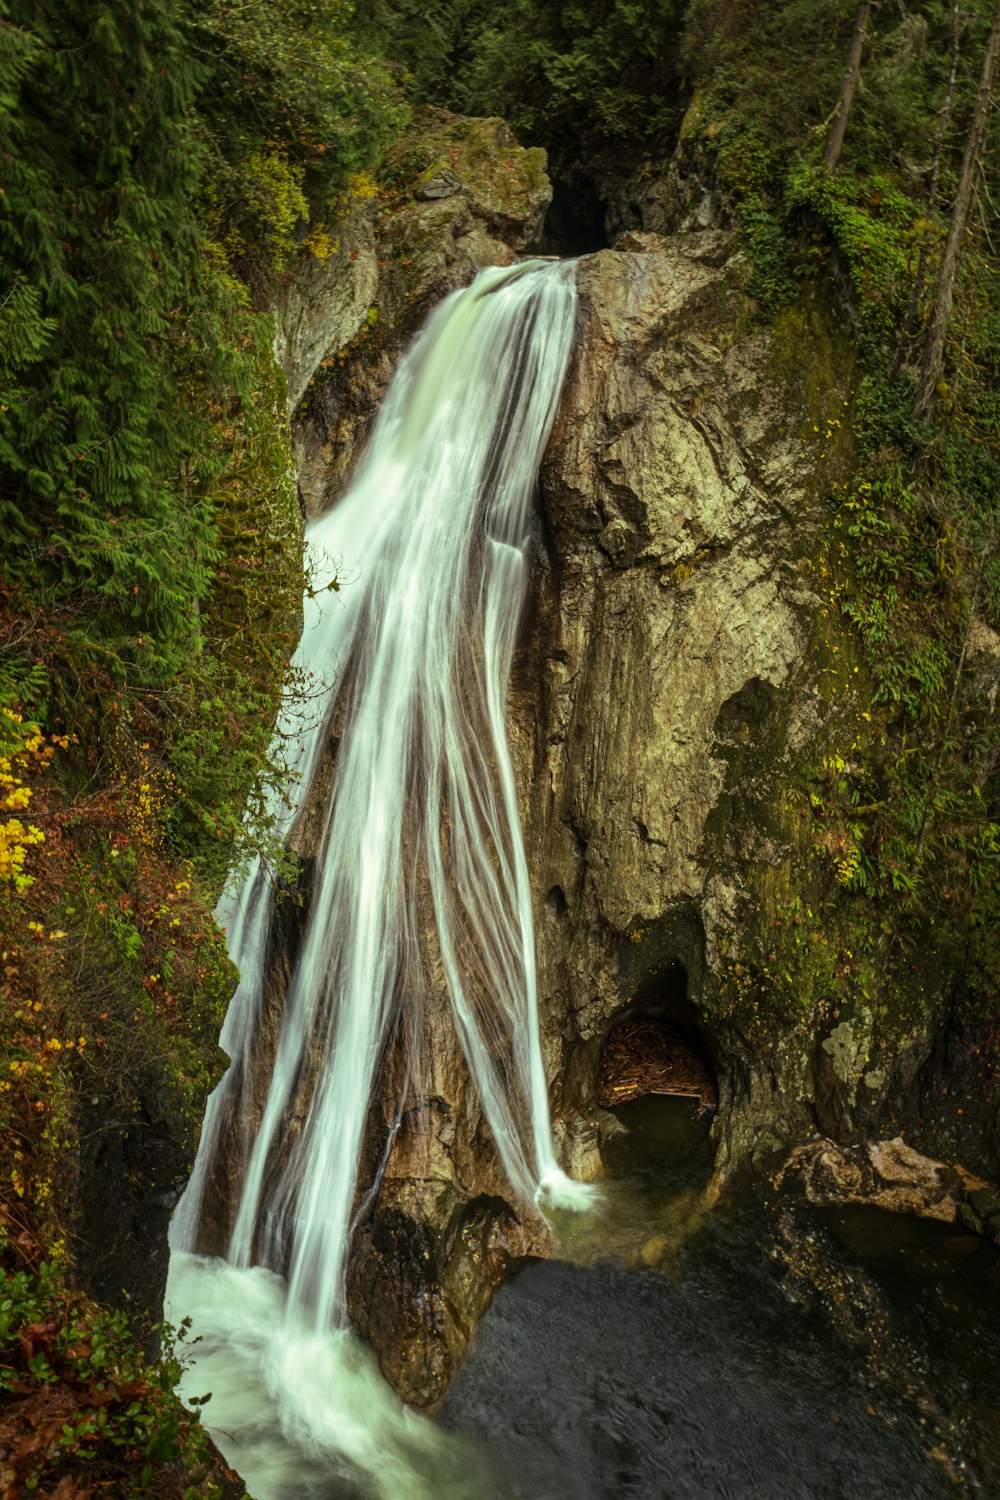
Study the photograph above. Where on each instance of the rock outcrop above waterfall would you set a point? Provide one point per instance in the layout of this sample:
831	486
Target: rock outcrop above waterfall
455	195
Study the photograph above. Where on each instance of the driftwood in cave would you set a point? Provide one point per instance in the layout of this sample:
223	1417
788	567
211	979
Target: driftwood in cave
648	1057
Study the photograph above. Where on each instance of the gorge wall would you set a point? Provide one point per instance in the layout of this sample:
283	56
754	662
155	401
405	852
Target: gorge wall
684	678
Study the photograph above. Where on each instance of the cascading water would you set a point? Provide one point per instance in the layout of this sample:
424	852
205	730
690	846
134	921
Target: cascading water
409	661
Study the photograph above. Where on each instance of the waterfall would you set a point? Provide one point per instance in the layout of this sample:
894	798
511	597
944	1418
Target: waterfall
407	663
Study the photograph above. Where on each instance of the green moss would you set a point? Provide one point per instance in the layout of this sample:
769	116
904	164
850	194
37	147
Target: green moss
830	926
484	154
693	123
874	226
813	361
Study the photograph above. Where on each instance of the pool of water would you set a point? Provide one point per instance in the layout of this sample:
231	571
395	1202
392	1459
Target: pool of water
772	1351
755	1348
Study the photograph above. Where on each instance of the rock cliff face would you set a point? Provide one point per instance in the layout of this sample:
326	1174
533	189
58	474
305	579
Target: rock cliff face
670	616
665	686
683	670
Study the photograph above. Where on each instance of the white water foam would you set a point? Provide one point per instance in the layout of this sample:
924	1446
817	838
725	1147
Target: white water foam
303	1415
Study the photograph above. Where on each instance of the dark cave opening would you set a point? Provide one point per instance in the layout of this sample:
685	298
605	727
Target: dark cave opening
574	222
556	904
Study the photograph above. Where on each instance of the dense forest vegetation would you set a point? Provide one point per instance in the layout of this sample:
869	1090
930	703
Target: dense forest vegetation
164	163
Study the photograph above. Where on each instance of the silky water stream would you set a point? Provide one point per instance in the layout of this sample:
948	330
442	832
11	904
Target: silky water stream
420	872
676	1352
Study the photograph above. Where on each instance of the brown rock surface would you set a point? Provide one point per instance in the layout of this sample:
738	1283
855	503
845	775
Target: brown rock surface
885	1174
343	325
664	662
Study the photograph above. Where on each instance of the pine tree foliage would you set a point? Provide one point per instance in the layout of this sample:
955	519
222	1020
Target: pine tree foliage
104	331
290	73
160	162
571	77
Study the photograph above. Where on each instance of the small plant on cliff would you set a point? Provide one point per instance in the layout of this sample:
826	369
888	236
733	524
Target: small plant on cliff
80	1399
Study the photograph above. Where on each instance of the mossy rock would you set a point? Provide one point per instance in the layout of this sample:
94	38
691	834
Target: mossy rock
507	181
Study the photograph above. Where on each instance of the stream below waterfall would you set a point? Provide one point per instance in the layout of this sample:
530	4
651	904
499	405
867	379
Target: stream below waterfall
776	1352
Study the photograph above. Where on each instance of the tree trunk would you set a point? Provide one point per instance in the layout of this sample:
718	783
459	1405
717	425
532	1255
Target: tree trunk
933	357
838	130
944	121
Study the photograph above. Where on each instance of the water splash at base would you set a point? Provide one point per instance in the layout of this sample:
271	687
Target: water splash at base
558	1193
304	1414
